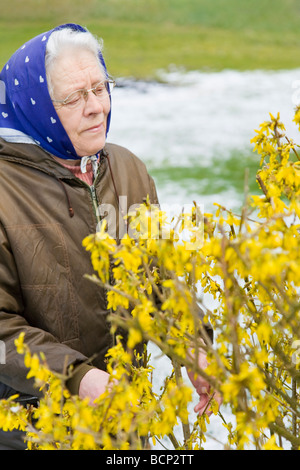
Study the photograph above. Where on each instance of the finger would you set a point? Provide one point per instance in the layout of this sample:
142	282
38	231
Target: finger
203	399
202	404
203	389
205	402
201	409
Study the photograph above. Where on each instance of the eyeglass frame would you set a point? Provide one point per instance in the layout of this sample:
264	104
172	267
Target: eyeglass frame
86	91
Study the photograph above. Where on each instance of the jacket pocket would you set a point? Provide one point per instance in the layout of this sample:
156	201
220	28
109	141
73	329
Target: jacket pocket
44	269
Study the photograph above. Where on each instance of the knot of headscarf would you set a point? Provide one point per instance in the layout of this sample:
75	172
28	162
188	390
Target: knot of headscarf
93	159
27	114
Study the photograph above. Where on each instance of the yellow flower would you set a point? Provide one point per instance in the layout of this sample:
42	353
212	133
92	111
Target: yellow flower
271	444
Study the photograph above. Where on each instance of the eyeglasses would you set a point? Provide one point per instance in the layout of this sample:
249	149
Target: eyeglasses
78	97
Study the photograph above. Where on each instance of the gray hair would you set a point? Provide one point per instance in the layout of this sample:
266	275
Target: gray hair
62	40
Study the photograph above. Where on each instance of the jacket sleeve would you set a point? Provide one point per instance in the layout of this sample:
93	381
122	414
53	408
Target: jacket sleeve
153	193
12	323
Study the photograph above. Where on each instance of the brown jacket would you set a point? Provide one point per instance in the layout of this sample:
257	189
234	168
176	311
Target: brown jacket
45	213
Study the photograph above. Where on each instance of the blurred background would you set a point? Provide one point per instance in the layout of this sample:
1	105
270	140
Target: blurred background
195	77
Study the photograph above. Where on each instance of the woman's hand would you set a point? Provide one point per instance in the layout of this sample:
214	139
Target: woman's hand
202	387
93	384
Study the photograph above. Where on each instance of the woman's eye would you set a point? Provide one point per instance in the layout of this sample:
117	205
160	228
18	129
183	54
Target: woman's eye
100	89
73	100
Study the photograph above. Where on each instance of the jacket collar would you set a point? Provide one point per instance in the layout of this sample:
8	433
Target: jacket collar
31	155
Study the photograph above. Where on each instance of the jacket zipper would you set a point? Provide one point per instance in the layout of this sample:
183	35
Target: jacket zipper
93	193
95	204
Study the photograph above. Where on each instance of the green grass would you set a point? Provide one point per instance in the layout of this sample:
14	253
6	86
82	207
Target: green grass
142	36
221	176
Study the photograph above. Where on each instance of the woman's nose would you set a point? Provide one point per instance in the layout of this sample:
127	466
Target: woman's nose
93	104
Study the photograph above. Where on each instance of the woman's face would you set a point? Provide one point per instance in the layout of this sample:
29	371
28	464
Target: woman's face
85	123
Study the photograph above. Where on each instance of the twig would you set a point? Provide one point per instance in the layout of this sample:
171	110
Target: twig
295	152
263	187
178	378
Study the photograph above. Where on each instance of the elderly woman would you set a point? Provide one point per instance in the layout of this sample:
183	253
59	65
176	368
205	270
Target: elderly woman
56	171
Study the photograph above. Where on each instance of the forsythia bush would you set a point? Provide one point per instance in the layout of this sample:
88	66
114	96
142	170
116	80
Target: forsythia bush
159	272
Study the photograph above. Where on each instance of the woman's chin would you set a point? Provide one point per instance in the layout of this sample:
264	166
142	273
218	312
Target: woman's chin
86	150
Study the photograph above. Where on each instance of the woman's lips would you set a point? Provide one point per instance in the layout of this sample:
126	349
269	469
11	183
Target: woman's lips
96	128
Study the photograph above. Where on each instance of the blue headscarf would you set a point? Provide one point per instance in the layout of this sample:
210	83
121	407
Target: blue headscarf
27	114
